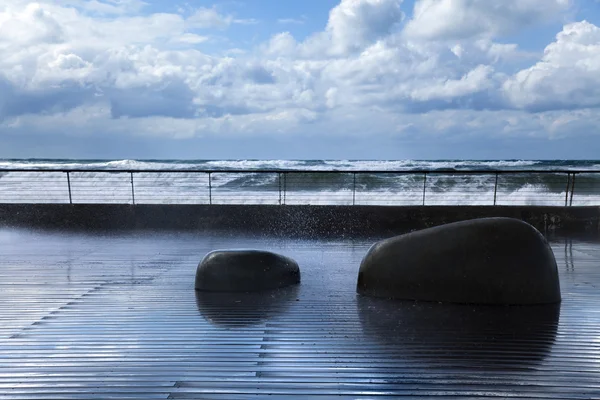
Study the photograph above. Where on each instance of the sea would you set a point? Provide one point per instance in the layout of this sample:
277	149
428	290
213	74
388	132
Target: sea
318	182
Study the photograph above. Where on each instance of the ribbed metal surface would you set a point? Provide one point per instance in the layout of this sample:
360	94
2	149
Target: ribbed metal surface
116	316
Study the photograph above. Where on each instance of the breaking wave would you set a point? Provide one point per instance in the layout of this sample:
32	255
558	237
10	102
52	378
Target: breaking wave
394	182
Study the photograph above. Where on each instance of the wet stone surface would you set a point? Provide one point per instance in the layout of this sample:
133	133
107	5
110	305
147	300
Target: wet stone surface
245	271
494	261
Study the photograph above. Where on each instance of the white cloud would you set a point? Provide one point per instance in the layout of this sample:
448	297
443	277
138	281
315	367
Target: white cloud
190	38
107	7
211	18
77	65
464	19
30	25
567	76
474	81
291	21
207	18
246	21
281	44
354	24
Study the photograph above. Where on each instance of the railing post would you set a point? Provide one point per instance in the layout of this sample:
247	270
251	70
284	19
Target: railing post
572	189
284	186
132	190
424	186
69	184
495	189
354	189
209	188
567	193
279	180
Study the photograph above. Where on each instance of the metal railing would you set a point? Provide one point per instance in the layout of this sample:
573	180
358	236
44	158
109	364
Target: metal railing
287	187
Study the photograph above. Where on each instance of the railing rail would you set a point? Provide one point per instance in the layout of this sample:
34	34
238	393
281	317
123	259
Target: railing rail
316	171
295	186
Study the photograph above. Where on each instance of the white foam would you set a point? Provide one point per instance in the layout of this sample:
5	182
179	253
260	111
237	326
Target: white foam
400	165
192	188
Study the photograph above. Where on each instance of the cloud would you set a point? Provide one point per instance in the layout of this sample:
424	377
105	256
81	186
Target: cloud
211	18
207	18
169	98
464	19
246	21
190	38
30	25
354	24
15	101
260	75
474	81
112	69
291	21
107	7
281	44
567	76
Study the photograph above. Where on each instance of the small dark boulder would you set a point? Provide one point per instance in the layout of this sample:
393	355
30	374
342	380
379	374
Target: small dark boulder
496	261
245	271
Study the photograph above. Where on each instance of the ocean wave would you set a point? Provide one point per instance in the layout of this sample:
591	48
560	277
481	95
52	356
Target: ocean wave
404	165
408	165
298	188
397	185
309	165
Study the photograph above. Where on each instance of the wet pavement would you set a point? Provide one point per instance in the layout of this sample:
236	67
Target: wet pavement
116	316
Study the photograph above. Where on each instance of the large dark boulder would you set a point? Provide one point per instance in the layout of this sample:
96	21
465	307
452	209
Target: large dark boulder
484	261
245	271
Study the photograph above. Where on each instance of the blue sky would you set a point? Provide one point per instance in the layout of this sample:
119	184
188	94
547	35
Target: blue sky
387	79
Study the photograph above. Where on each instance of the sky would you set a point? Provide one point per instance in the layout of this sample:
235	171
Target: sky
310	79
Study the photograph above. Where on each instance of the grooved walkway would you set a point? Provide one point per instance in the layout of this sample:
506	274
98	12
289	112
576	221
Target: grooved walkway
90	316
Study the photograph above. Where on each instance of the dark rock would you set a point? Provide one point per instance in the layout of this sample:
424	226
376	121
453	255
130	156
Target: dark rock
484	261
451	336
245	271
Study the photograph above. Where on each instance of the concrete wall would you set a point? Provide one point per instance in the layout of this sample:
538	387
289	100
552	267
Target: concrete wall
338	221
